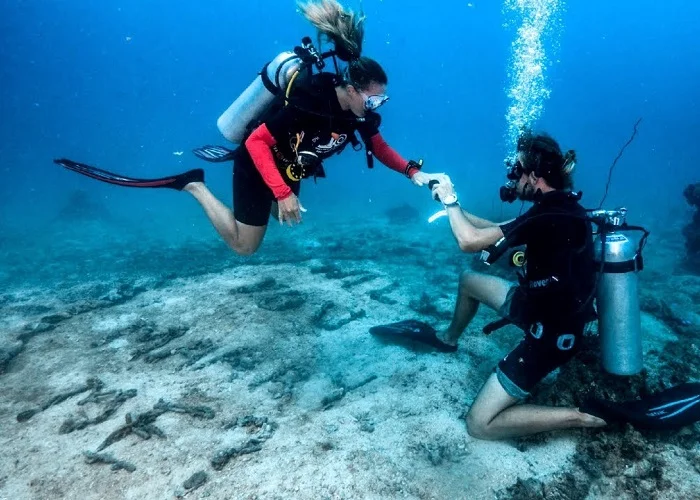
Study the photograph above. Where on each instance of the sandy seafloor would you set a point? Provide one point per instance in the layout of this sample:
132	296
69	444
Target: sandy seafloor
260	372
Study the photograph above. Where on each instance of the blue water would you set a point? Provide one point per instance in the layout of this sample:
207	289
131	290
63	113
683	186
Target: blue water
125	84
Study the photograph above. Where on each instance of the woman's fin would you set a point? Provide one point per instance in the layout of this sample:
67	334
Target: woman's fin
214	154
177	182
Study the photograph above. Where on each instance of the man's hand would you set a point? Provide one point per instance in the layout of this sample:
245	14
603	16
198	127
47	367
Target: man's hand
421	179
443	188
290	210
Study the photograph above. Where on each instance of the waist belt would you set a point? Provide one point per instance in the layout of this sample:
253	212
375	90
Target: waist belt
502	322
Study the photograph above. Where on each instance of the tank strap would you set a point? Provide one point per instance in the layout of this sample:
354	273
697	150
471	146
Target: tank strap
267	82
369	154
357	146
370	158
628	266
496	325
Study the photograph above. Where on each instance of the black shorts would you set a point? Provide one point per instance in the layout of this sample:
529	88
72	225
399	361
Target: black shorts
252	198
545	347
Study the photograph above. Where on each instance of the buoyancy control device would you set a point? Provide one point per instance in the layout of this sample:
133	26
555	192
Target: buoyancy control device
276	80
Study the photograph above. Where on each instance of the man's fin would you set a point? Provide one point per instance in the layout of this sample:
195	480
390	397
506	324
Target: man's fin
177	182
411	331
665	410
214	154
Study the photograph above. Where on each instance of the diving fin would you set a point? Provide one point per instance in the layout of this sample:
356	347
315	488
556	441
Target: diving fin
177	182
412	331
214	154
669	409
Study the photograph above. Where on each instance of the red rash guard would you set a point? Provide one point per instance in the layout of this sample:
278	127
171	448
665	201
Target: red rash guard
389	157
258	145
260	142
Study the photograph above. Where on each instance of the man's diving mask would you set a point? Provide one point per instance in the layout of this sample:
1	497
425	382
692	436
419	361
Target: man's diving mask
514	172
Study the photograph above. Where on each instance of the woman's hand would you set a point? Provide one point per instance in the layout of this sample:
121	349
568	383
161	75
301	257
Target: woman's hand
421	179
290	210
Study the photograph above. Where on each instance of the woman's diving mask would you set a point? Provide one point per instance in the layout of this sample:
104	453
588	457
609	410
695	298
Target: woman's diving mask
372	102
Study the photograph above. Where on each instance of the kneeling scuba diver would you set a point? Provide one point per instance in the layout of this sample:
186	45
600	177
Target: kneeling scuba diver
617	311
614	259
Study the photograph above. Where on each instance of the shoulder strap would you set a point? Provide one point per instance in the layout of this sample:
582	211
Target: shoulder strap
375	121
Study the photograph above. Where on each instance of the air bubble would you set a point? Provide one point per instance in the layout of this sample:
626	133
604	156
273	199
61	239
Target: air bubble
528	89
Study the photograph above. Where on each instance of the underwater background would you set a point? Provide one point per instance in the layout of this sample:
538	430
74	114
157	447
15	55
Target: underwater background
111	289
123	85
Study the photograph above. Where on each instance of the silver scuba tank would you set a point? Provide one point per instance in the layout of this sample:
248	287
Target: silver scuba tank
255	99
617	294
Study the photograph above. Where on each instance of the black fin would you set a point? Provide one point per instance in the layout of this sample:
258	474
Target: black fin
670	409
177	182
412	331
214	154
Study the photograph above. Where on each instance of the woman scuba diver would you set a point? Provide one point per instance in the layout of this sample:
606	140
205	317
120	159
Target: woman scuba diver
284	136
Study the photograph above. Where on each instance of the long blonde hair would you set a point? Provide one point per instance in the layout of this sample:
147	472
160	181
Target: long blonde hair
342	27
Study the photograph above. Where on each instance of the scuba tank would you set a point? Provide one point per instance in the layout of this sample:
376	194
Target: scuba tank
619	259
275	80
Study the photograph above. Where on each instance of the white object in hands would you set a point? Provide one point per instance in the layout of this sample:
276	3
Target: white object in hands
436	216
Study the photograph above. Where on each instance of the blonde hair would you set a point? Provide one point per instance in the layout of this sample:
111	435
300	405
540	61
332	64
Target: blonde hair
341	27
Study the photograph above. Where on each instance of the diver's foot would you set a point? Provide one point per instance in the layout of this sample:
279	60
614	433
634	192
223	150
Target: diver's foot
588	420
447	338
193	187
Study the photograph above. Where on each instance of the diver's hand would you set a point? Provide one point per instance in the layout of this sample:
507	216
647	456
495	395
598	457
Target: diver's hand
443	188
290	210
421	179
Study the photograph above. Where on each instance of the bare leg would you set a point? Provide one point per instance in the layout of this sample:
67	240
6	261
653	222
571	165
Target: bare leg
474	288
494	415
242	238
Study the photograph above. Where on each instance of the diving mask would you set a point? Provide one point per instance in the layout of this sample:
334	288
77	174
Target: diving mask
515	170
372	102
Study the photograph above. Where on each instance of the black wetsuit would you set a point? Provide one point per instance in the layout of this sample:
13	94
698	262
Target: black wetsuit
553	301
313	111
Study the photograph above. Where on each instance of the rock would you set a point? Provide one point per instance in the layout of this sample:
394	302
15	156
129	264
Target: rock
82	206
403	214
195	481
7	353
